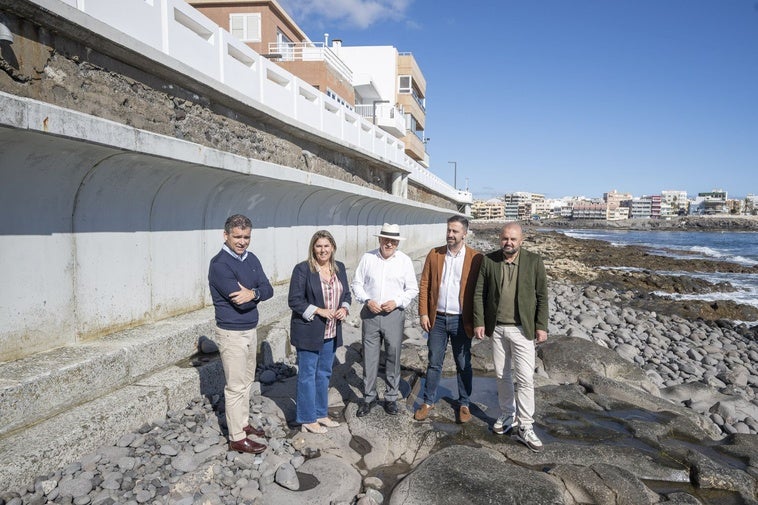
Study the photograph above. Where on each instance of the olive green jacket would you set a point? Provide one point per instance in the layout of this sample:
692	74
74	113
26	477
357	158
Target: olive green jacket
531	292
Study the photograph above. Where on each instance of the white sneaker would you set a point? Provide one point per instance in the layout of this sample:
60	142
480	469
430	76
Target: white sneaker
528	437
503	425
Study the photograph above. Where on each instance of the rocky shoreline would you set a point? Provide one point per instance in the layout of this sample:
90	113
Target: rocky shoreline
638	402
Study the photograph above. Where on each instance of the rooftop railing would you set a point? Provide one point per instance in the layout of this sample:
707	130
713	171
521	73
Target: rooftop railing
309	51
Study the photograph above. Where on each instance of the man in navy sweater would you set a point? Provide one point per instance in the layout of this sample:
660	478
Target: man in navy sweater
238	284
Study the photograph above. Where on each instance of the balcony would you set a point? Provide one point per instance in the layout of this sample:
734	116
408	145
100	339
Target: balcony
309	51
384	115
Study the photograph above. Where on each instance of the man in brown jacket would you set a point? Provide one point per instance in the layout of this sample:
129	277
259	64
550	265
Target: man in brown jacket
446	310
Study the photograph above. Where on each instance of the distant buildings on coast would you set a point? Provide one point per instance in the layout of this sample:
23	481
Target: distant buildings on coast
613	206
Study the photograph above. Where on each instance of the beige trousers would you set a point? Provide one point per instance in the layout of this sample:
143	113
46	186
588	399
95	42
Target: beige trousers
238	350
510	348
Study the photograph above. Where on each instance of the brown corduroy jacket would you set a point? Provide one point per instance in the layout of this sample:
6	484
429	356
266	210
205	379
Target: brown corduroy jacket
431	277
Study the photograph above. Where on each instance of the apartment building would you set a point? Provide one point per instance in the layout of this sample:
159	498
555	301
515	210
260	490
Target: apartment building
390	87
542	208
677	200
642	207
618	214
379	82
751	205
589	210
655	206
493	208
710	202
614	199
522	205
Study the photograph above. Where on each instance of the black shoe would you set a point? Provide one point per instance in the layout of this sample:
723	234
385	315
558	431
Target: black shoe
390	407
364	408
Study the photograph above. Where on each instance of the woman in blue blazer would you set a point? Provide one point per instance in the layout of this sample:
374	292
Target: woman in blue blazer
319	297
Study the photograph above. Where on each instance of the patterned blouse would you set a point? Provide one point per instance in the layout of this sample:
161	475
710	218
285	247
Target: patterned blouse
332	290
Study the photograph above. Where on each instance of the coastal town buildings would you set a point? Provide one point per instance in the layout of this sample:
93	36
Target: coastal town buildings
378	82
614	206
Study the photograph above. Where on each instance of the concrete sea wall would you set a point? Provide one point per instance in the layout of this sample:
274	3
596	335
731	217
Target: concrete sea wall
122	152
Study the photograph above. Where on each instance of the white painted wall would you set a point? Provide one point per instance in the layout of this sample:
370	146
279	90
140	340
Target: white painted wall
380	62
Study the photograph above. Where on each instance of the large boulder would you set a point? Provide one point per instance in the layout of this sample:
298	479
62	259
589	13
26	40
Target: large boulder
567	359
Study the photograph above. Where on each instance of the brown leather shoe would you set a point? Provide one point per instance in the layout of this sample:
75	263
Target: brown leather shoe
249	430
247	445
423	412
464	414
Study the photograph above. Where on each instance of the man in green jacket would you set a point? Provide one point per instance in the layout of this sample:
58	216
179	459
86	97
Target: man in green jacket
511	306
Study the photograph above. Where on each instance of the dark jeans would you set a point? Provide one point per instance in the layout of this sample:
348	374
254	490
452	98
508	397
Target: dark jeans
448	327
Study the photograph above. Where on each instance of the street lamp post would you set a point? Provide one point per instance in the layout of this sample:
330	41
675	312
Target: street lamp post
455	173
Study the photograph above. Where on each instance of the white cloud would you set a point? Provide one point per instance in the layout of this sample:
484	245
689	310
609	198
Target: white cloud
355	13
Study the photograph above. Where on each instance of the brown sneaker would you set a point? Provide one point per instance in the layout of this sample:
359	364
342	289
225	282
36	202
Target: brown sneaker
423	412
464	414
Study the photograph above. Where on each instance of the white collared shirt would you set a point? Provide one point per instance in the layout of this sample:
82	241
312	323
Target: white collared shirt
382	279
450	284
226	248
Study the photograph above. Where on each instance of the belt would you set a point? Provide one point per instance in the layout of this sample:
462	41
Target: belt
507	324
445	314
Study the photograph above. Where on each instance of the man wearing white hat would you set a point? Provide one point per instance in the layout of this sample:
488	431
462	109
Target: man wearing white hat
385	283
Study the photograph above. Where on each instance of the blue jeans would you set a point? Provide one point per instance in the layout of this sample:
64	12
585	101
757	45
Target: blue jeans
448	327
314	372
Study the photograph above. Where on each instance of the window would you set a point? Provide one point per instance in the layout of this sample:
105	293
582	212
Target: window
404	85
246	27
334	96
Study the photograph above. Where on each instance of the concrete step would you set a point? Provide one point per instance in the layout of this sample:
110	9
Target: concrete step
66	437
46	384
59	405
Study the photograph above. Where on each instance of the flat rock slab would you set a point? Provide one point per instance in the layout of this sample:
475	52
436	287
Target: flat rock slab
460	474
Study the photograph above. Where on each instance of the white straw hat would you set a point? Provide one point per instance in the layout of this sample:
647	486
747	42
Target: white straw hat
390	231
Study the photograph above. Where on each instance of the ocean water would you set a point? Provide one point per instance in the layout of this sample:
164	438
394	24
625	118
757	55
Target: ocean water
736	247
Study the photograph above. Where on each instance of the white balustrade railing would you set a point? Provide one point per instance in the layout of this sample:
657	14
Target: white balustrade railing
178	30
309	51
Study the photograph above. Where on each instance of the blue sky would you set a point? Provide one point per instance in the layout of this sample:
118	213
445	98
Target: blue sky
574	97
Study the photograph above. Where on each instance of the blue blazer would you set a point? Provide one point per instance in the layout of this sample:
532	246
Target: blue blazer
305	290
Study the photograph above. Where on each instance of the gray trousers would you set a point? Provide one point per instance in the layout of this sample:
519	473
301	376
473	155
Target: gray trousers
375	328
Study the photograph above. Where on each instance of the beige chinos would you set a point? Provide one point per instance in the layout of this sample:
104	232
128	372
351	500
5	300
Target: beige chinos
238	353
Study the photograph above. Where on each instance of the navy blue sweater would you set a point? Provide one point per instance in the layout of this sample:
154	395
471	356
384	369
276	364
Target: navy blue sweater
223	274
